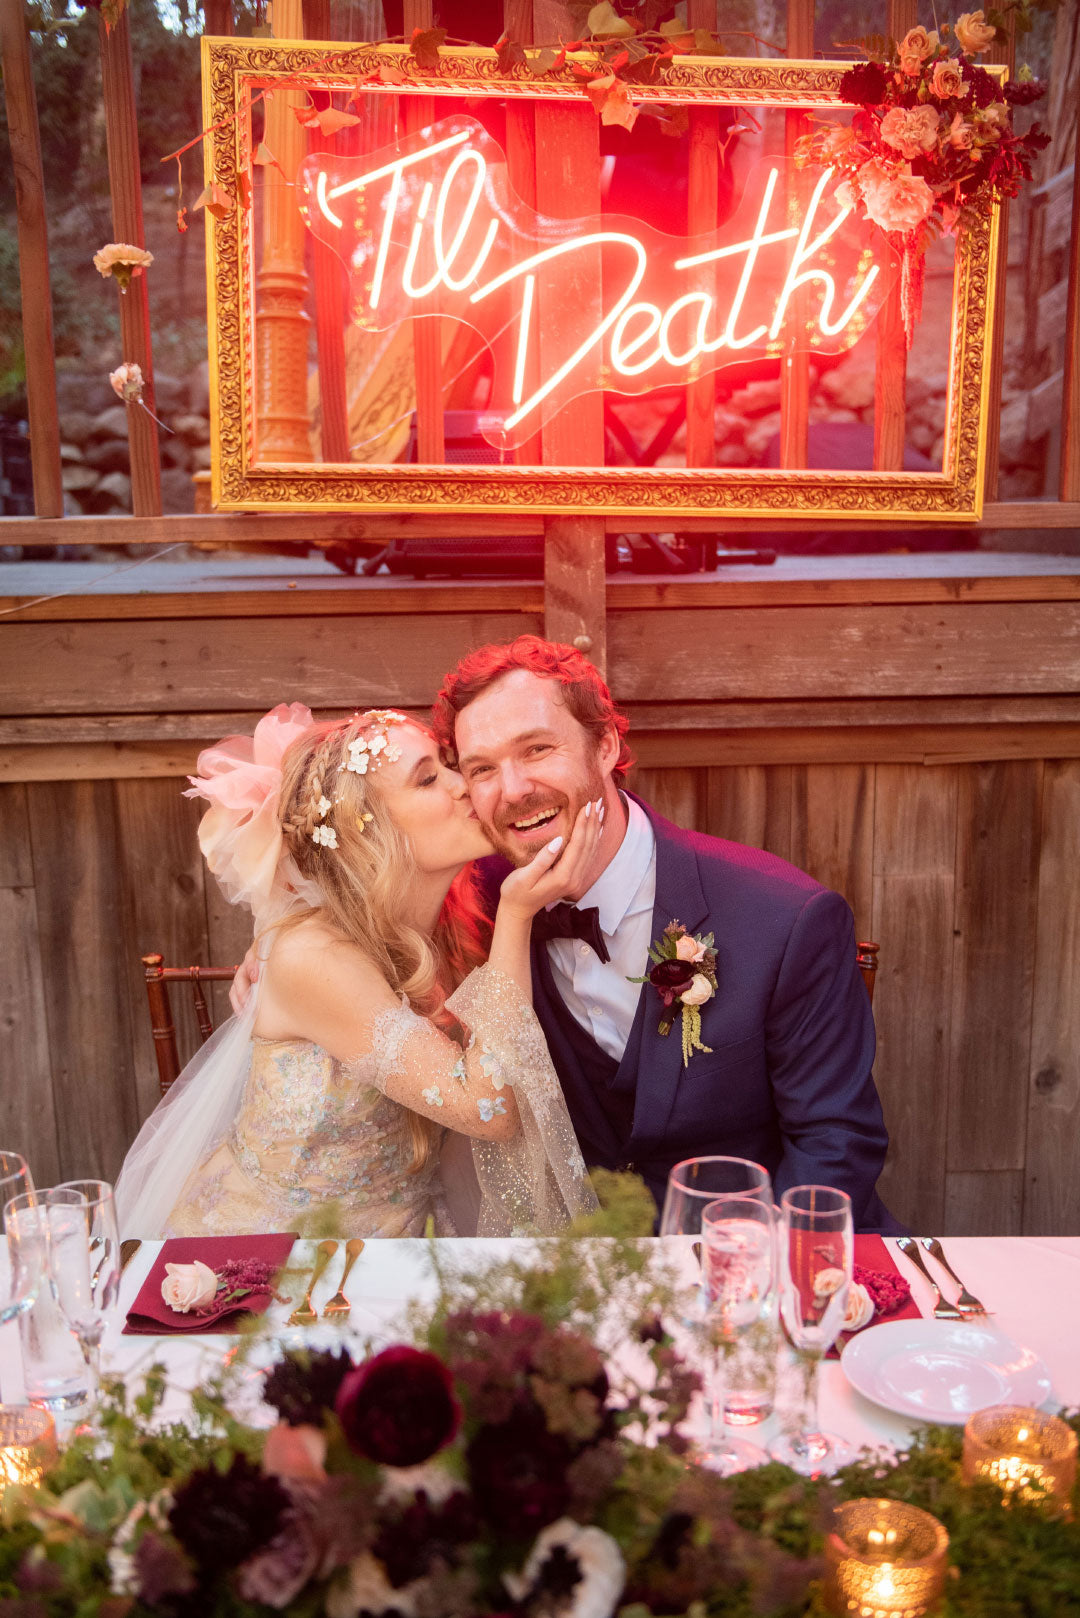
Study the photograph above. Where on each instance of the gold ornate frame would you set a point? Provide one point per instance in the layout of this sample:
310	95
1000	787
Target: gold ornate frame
955	494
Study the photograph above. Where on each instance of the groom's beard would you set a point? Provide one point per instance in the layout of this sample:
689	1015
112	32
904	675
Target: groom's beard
520	844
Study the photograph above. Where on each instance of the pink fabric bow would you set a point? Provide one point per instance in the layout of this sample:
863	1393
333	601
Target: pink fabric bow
240	834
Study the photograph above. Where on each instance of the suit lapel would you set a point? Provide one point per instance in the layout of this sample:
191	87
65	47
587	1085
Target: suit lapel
656	1057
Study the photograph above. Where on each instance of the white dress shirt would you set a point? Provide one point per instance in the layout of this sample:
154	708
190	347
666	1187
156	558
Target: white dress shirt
596	994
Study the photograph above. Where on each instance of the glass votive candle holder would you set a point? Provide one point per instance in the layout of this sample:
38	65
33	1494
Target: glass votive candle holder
884	1559
1028	1454
27	1445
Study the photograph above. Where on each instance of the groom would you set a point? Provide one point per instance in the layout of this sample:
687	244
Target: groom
787	1080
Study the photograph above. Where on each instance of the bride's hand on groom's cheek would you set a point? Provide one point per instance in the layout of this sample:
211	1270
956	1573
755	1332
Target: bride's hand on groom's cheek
242	984
556	872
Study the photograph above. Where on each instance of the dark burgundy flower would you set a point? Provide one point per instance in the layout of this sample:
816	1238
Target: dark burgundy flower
518	1471
162	1569
422	1535
1022	92
865	85
222	1518
984	89
399	1408
303	1386
670	978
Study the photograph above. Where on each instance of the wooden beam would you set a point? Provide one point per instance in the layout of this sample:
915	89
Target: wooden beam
125	185
426	330
890	369
703	173
20	105
1005	54
1070	404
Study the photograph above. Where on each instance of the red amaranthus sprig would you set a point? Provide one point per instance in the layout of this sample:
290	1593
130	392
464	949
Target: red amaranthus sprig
932	145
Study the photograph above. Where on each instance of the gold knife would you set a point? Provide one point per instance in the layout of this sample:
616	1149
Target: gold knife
128	1249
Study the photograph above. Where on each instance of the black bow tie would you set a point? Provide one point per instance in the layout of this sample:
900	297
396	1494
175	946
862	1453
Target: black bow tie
567	921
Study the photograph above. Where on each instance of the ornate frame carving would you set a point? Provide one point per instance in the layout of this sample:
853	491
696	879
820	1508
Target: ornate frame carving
955	494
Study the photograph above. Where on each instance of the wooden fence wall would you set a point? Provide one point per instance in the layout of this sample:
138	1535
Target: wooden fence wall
945	806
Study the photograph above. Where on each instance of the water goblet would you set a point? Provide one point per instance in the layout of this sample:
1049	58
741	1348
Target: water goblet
738	1276
54	1370
85	1262
695	1182
21	1267
816	1247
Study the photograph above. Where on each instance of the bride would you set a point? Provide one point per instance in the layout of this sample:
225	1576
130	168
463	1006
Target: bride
376	1023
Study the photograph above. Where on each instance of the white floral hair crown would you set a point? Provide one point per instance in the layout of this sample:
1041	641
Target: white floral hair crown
364	753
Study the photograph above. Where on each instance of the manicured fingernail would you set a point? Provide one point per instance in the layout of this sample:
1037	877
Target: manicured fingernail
555	844
588	810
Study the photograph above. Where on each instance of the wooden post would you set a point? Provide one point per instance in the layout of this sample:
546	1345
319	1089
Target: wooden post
125	184
795	365
1005	54
217	17
1070	403
331	290
703	162
890	373
426	330
281	323
21	107
568	184
521	168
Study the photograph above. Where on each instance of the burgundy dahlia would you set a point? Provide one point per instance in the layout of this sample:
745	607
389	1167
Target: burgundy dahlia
518	1472
222	1518
424	1535
304	1385
865	85
399	1408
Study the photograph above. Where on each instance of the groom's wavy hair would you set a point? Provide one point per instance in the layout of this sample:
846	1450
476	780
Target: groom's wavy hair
583	690
365	877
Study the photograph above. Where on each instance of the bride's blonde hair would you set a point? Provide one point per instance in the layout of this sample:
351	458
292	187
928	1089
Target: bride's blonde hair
365	872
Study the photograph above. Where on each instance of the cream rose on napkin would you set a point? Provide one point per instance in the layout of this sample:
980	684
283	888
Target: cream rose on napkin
860	1308
189	1286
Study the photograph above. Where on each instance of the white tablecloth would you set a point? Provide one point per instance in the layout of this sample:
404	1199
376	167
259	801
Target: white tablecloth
1031	1283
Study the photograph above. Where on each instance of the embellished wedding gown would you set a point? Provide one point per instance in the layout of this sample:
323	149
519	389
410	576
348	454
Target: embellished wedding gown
311	1131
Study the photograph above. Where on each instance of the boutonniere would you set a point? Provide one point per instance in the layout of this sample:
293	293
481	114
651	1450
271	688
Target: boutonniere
684	975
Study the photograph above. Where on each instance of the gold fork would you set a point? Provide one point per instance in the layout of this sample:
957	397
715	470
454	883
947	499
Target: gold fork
305	1315
339	1304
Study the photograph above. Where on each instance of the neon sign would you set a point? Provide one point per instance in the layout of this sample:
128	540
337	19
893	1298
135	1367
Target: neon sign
432	226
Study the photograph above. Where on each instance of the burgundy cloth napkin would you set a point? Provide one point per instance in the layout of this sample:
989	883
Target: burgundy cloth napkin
151	1316
872	1254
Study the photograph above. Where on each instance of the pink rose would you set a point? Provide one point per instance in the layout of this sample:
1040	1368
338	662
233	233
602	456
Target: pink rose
844	194
688	949
860	1308
947	83
699	991
973	33
189	1286
899	203
295	1452
917	42
961	133
910	130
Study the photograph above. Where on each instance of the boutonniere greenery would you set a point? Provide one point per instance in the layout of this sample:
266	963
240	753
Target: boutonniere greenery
683	973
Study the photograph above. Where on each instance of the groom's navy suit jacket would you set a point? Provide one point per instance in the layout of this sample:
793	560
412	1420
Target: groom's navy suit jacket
788	1080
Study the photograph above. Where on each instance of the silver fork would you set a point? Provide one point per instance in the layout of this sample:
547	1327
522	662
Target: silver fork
967	1302
942	1310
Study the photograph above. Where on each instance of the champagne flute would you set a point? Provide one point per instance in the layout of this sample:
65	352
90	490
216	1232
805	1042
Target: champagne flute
21	1266
738	1273
85	1262
816	1247
697	1181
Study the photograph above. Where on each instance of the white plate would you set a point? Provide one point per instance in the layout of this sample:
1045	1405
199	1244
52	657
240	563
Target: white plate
942	1370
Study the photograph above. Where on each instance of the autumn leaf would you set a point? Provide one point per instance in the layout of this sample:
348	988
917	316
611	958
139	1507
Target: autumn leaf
215	201
390	73
424	45
545	61
265	158
330	120
112	11
604	22
511	55
611	98
244	187
678	32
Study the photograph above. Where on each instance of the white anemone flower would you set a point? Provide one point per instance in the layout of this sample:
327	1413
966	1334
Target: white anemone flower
603	1571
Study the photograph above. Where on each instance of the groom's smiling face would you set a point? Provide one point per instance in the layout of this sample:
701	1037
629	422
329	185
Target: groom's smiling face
528	764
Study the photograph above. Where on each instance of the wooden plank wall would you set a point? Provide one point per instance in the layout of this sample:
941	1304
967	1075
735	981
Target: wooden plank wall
965	873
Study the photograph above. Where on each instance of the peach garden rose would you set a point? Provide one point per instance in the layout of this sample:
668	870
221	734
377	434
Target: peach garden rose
973	33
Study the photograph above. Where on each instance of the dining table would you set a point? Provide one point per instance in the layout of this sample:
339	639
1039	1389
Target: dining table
1029	1285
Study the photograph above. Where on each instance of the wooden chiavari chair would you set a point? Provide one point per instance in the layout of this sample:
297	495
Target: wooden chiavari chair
158	978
